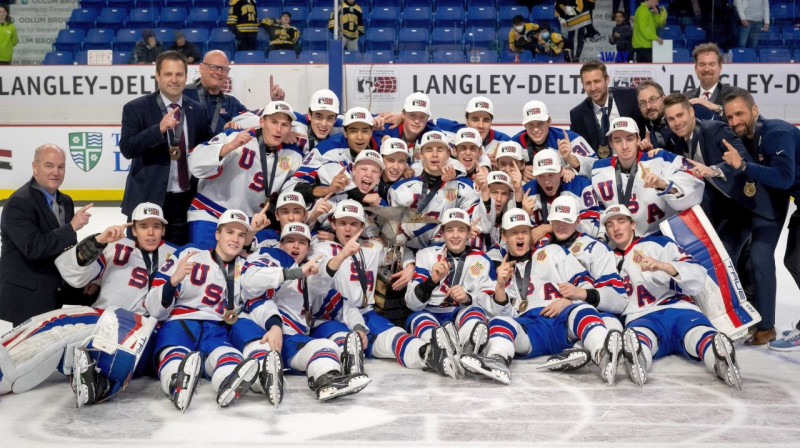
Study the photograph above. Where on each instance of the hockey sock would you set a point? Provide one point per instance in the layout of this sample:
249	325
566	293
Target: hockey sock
396	344
503	339
338	338
169	360
698	342
466	320
422	325
585	324
221	362
612	322
322	361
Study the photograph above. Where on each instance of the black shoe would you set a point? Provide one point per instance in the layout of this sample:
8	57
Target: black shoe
334	384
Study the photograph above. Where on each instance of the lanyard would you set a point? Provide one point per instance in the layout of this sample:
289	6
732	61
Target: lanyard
269	181
625	198
151	266
523	282
427	197
360	268
201	93
175	138
306	305
229	275
455	271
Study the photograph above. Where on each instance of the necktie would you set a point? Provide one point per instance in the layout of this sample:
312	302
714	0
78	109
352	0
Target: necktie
57	212
708	95
604	124
183	168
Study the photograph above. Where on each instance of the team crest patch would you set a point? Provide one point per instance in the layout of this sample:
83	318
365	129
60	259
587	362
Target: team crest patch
576	248
476	269
637	257
541	256
450	194
285	164
85	149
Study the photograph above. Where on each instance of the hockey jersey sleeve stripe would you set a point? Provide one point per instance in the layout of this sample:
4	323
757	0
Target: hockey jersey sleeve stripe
101	260
330	306
201	202
294	325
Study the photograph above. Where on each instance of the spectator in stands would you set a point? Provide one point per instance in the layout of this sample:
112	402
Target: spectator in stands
243	22
622	35
575	17
754	17
187	48
147	49
282	35
648	18
688	11
351	23
8	36
522	36
551	44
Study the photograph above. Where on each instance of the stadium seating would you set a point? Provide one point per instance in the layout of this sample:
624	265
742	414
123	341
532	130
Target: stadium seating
173	18
771	39
384	17
222	39
417	3
197	36
546	59
449	3
319	16
112	18
672	33
743	55
380	39
81	58
288	3
98	39
507	13
543	14
82	19
205	17
165	35
282	57
96	4
211	4
69	40
120	57
418	17
378	57
351	57
482	17
118	4
265	12
126	39
447	39
58	58
482	56
448	56
694	35
313	57
681	55
315	39
249	57
774	55
413	39
142	18
509	56
177	3
488	3
449	17
480	38
413	57
782	14
791	37
299	16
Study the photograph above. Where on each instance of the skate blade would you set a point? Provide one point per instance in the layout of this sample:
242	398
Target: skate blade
614	347
733	371
275	390
571	362
637	374
474	365
483	338
453	349
354	386
192	369
246	374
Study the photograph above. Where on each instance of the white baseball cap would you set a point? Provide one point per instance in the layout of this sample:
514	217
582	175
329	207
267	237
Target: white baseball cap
368	155
623	124
417	102
455	215
358	115
546	161
290	197
237	216
349	208
565	209
516	217
615	210
296	228
324	100
480	104
534	110
434	137
509	149
147	210
275	107
499	177
469	135
393	145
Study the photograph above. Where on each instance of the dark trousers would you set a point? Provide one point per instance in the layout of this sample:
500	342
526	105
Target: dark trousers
643	54
176	209
247	41
792	258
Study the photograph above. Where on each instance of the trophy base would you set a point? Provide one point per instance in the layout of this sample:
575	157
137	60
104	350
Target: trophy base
389	303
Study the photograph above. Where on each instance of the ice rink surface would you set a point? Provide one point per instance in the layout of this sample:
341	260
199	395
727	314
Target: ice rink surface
682	404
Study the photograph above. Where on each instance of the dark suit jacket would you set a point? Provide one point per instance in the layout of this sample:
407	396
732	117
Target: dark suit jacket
32	239
143	143
584	122
720	93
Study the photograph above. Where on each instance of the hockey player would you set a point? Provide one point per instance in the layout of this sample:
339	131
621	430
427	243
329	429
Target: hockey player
320	122
434	191
415	122
354	265
453	288
499	188
71	340
468	151
301	292
199	295
539	134
547	186
660	318
479	116
395	159
661	187
544	321
237	171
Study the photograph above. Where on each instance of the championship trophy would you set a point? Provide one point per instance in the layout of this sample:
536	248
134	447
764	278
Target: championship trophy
390	220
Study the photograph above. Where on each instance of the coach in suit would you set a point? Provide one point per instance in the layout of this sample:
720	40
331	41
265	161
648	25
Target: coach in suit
37	225
711	92
592	117
157	131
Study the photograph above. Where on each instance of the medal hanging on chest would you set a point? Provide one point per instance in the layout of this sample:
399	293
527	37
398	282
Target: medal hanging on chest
174	152
749	189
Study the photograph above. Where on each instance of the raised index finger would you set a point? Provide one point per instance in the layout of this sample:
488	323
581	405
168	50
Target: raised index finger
271	83
327	196
566	137
127	224
86	207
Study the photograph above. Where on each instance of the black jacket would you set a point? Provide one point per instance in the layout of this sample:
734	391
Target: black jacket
584	122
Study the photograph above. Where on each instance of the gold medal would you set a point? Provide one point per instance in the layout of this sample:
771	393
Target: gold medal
523	305
230	317
174	152
603	151
749	189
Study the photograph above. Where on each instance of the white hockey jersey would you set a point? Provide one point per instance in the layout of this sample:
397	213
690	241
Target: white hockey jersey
203	293
549	266
238	180
579	188
647	205
475	273
333	149
653	291
120	271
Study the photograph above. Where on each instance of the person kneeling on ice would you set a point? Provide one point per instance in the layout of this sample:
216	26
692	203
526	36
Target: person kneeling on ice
198	293
77	340
660	318
544	322
354	265
451	292
301	295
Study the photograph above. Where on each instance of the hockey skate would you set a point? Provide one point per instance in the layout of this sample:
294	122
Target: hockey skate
569	359
608	356
439	354
634	359
455	346
352	354
238	382
334	384
88	385
477	339
725	363
495	367
183	382
270	375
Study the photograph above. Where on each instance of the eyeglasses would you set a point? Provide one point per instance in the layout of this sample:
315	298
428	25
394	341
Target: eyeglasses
217	68
652	100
